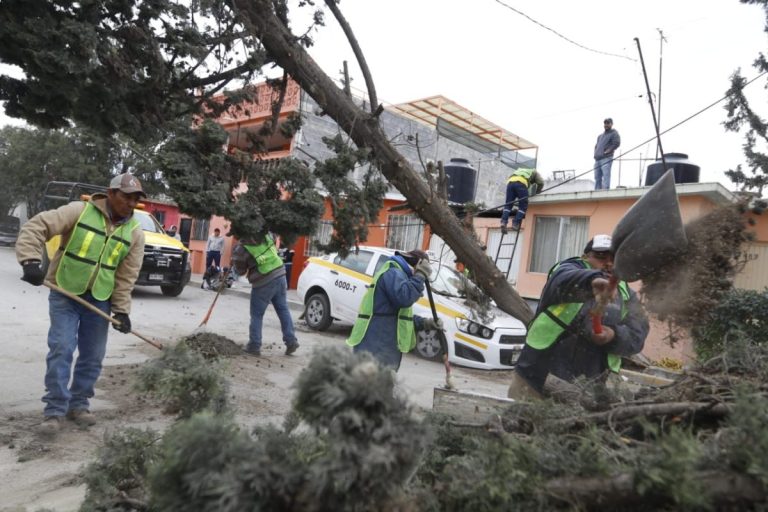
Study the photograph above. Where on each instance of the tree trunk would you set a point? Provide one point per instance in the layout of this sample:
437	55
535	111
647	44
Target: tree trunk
618	492
364	129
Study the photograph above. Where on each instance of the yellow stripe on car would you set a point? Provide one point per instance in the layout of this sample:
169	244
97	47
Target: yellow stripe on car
342	270
465	339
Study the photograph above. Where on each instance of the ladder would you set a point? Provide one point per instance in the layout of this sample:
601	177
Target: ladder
509	243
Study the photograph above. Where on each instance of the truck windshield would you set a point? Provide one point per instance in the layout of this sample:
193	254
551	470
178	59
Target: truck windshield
147	222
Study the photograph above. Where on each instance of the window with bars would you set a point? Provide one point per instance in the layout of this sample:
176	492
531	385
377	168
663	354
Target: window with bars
405	232
556	239
200	229
321	236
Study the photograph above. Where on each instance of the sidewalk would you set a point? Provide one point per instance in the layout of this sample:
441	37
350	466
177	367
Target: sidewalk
242	288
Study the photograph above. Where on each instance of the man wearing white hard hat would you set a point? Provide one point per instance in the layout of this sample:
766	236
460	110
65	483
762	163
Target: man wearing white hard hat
561	339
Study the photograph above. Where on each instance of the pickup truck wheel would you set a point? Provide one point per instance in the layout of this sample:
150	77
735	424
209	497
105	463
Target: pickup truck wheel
428	344
172	290
317	312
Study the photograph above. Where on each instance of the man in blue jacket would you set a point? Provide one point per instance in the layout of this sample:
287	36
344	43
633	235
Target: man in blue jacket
607	143
385	325
561	340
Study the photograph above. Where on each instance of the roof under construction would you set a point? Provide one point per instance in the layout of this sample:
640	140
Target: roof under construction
439	110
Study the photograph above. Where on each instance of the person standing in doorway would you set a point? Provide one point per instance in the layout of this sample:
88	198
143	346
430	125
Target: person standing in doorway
101	251
213	249
607	143
258	259
173	233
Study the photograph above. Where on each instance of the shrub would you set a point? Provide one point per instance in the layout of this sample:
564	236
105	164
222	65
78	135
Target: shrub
740	312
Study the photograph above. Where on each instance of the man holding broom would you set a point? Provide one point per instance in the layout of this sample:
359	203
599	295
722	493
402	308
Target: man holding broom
99	259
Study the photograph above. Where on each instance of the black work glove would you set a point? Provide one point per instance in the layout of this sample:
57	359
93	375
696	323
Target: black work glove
33	272
125	322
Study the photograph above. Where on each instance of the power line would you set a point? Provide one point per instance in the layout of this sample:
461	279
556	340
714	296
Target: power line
696	114
558	34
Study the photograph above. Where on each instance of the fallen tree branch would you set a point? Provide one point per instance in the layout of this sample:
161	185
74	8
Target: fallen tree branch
625	413
616	492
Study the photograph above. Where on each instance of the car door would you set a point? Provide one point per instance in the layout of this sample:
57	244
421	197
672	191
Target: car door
349	283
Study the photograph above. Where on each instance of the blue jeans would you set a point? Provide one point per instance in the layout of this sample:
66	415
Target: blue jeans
212	257
603	173
274	292
73	326
515	190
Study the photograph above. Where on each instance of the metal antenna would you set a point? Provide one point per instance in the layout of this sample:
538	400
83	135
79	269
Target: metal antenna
650	103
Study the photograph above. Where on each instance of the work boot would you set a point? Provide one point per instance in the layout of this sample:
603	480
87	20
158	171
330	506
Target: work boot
290	349
503	229
81	417
255	352
50	426
515	226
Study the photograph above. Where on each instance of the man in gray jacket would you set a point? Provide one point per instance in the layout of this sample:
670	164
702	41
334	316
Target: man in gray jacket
607	142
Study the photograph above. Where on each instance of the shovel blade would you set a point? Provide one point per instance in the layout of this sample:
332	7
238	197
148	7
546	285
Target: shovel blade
650	234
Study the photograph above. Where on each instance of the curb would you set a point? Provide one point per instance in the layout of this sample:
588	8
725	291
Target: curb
243	290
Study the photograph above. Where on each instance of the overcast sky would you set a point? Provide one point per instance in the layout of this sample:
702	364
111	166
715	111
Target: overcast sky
531	81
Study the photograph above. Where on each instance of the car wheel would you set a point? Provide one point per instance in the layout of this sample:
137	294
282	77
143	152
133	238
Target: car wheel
428	344
172	290
317	312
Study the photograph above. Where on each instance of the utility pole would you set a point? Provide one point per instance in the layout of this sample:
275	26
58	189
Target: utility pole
662	40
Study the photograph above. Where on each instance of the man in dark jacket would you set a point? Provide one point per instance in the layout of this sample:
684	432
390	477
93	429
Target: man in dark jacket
561	339
259	260
385	325
607	143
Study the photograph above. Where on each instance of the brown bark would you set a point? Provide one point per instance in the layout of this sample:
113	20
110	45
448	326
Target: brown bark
629	412
616	492
363	128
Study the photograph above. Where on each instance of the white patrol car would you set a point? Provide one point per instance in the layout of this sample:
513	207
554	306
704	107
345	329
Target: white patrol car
332	289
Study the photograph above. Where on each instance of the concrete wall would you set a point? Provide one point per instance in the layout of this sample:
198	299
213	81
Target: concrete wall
403	133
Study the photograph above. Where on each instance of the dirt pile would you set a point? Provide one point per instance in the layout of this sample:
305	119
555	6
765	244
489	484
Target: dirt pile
684	291
212	346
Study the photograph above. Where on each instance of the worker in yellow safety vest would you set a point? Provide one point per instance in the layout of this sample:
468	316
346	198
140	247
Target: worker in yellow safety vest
385	325
99	259
522	183
561	339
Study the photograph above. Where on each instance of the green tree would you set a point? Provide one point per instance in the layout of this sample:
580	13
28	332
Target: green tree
31	157
742	117
137	66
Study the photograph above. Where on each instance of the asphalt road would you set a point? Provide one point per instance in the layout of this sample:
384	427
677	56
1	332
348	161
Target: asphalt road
24	326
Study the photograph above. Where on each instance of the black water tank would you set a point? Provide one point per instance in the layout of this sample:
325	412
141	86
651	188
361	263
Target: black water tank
461	179
685	171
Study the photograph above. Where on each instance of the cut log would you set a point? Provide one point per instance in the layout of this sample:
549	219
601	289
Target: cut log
469	408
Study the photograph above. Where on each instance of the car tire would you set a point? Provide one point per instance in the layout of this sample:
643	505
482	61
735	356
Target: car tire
172	290
428	344
317	312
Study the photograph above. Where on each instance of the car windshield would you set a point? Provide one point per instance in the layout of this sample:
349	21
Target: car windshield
147	222
447	281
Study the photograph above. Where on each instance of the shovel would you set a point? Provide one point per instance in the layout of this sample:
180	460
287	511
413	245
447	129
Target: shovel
99	312
441	336
201	328
648	236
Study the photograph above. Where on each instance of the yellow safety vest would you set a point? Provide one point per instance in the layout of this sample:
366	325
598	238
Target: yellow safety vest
556	319
406	332
265	254
90	251
523	175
